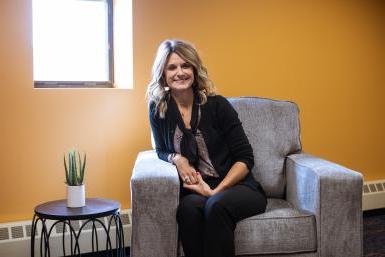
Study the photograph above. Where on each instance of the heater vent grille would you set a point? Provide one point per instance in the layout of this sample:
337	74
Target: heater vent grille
380	187
4	234
373	195
28	229
373	187
17	232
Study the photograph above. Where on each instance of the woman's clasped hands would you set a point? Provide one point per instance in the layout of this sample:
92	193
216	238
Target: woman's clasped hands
192	179
201	187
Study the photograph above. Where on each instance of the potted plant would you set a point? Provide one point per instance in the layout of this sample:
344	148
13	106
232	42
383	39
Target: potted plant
74	169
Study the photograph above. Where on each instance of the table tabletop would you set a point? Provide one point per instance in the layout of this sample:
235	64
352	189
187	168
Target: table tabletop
94	208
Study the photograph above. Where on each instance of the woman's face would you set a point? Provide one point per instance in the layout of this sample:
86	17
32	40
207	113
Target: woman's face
178	73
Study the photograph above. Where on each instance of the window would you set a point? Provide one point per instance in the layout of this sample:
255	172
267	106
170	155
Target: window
73	43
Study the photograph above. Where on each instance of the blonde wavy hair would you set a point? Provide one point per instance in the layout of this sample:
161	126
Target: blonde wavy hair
156	92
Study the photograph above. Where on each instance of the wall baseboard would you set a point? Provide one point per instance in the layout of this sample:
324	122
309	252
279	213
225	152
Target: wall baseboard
373	195
15	237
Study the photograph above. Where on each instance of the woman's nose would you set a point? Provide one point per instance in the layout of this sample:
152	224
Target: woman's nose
179	71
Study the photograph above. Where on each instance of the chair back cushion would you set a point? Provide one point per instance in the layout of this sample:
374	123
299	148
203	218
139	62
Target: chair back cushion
273	130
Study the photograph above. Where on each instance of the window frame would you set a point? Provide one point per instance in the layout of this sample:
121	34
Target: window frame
90	84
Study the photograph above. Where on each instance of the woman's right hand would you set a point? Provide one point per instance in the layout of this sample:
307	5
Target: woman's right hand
186	172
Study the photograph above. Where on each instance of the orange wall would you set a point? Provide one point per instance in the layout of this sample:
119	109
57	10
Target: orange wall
328	56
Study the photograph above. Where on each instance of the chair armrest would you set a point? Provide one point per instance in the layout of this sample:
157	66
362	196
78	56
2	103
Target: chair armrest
154	198
334	195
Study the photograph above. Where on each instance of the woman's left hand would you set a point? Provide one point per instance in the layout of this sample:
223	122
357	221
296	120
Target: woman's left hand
201	187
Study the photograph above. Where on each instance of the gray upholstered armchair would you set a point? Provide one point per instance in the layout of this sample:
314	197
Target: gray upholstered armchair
314	206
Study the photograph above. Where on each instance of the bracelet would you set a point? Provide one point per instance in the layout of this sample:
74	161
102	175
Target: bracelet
171	158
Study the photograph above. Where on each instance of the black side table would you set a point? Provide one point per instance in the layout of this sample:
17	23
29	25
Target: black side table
59	212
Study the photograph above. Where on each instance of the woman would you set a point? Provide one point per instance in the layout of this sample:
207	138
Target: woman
200	133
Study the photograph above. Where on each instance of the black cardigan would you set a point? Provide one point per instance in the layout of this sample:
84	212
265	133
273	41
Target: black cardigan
222	131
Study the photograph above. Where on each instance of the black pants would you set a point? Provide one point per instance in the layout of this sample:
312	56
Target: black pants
206	225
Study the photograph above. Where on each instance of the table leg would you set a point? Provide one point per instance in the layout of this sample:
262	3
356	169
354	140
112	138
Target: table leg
72	233
33	233
44	240
63	239
44	237
94	236
119	234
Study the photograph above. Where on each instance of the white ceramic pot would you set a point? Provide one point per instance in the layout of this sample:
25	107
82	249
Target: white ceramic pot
76	196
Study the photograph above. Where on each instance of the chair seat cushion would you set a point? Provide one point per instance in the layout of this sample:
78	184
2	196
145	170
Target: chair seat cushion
281	229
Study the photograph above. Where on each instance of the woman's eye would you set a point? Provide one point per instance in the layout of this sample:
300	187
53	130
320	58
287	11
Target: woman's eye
171	67
186	66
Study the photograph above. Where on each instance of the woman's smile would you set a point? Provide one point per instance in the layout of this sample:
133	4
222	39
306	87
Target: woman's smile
181	80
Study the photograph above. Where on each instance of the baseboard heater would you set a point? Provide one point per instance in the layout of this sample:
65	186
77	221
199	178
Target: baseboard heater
15	237
373	195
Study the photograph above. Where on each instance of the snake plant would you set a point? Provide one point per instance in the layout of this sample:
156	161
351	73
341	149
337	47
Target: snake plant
74	168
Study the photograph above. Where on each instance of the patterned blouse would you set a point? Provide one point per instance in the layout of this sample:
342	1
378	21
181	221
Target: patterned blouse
205	166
